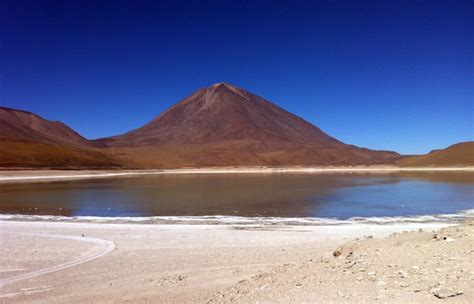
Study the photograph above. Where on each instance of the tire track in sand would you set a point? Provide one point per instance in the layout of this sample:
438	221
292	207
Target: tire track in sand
106	247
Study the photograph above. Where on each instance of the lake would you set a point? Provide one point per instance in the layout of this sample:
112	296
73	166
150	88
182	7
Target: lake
339	196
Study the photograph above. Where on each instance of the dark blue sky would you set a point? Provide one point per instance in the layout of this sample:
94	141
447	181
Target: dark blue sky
396	75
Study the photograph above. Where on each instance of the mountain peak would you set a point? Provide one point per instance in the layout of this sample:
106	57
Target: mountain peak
220	84
226	125
223	87
225	113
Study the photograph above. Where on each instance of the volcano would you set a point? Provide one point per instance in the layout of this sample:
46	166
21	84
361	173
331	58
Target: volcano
223	125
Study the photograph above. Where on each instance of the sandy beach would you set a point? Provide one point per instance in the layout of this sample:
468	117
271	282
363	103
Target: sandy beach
57	262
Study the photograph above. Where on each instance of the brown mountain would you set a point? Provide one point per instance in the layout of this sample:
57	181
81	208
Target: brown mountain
225	125
27	140
221	125
26	125
458	155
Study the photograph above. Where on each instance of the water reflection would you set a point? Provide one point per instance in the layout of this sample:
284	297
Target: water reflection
301	195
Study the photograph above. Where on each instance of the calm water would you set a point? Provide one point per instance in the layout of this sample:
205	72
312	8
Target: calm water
275	195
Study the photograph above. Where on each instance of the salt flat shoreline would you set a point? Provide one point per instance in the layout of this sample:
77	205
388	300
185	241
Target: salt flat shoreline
261	221
227	263
8	176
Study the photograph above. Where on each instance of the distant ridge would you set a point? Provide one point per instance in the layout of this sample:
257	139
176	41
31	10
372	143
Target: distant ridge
458	155
26	125
28	140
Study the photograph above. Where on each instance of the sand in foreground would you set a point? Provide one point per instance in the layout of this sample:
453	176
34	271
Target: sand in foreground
224	263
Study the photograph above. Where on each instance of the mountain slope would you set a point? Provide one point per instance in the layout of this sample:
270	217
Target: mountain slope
28	126
226	125
27	140
223	112
17	153
458	155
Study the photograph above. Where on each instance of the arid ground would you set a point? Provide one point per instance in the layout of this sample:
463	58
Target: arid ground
56	262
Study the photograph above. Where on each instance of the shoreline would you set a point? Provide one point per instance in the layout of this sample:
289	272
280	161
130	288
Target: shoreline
12	176
269	221
223	263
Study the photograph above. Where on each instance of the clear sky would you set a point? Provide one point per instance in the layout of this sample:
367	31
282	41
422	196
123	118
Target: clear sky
395	75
